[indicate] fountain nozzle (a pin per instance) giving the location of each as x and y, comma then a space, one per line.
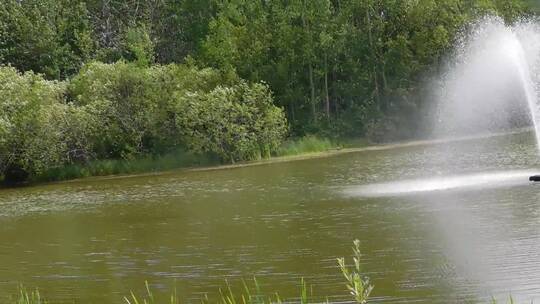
534, 178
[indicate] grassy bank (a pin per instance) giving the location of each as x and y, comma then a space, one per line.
291, 150
148, 164
298, 147
304, 145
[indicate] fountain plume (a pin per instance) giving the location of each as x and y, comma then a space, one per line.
491, 83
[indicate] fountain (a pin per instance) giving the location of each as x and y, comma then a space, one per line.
490, 85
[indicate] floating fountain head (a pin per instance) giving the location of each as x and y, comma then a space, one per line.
491, 83
534, 178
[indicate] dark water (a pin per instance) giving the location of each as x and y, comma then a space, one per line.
439, 223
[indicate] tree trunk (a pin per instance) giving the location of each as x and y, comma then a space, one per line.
310, 71
327, 97
312, 90
374, 77
384, 86
335, 97
293, 116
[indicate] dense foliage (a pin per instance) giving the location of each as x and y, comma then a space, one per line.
31, 120
124, 111
115, 78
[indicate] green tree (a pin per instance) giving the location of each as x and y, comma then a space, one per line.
52, 37
138, 46
181, 27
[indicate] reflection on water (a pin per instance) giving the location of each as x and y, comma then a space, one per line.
468, 227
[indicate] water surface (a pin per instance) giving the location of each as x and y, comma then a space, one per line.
440, 223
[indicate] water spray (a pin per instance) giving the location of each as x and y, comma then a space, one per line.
491, 83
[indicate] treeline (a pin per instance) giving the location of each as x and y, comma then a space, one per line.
118, 78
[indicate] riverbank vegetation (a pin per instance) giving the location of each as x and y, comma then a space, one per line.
121, 111
306, 144
115, 82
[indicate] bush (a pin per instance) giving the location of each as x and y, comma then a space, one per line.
31, 116
173, 81
236, 123
160, 108
122, 98
126, 111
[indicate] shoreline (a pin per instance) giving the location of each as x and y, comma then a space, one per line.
278, 159
325, 154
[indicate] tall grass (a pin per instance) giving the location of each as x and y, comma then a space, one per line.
176, 160
306, 144
149, 298
357, 284
29, 297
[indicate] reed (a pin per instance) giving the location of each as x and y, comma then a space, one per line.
357, 284
306, 144
171, 161
29, 297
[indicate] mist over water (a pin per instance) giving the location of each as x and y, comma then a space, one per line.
490, 84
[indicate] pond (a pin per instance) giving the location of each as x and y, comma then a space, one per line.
446, 222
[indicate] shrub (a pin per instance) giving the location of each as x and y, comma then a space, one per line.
137, 109
176, 80
127, 111
236, 123
122, 98
31, 112
157, 109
